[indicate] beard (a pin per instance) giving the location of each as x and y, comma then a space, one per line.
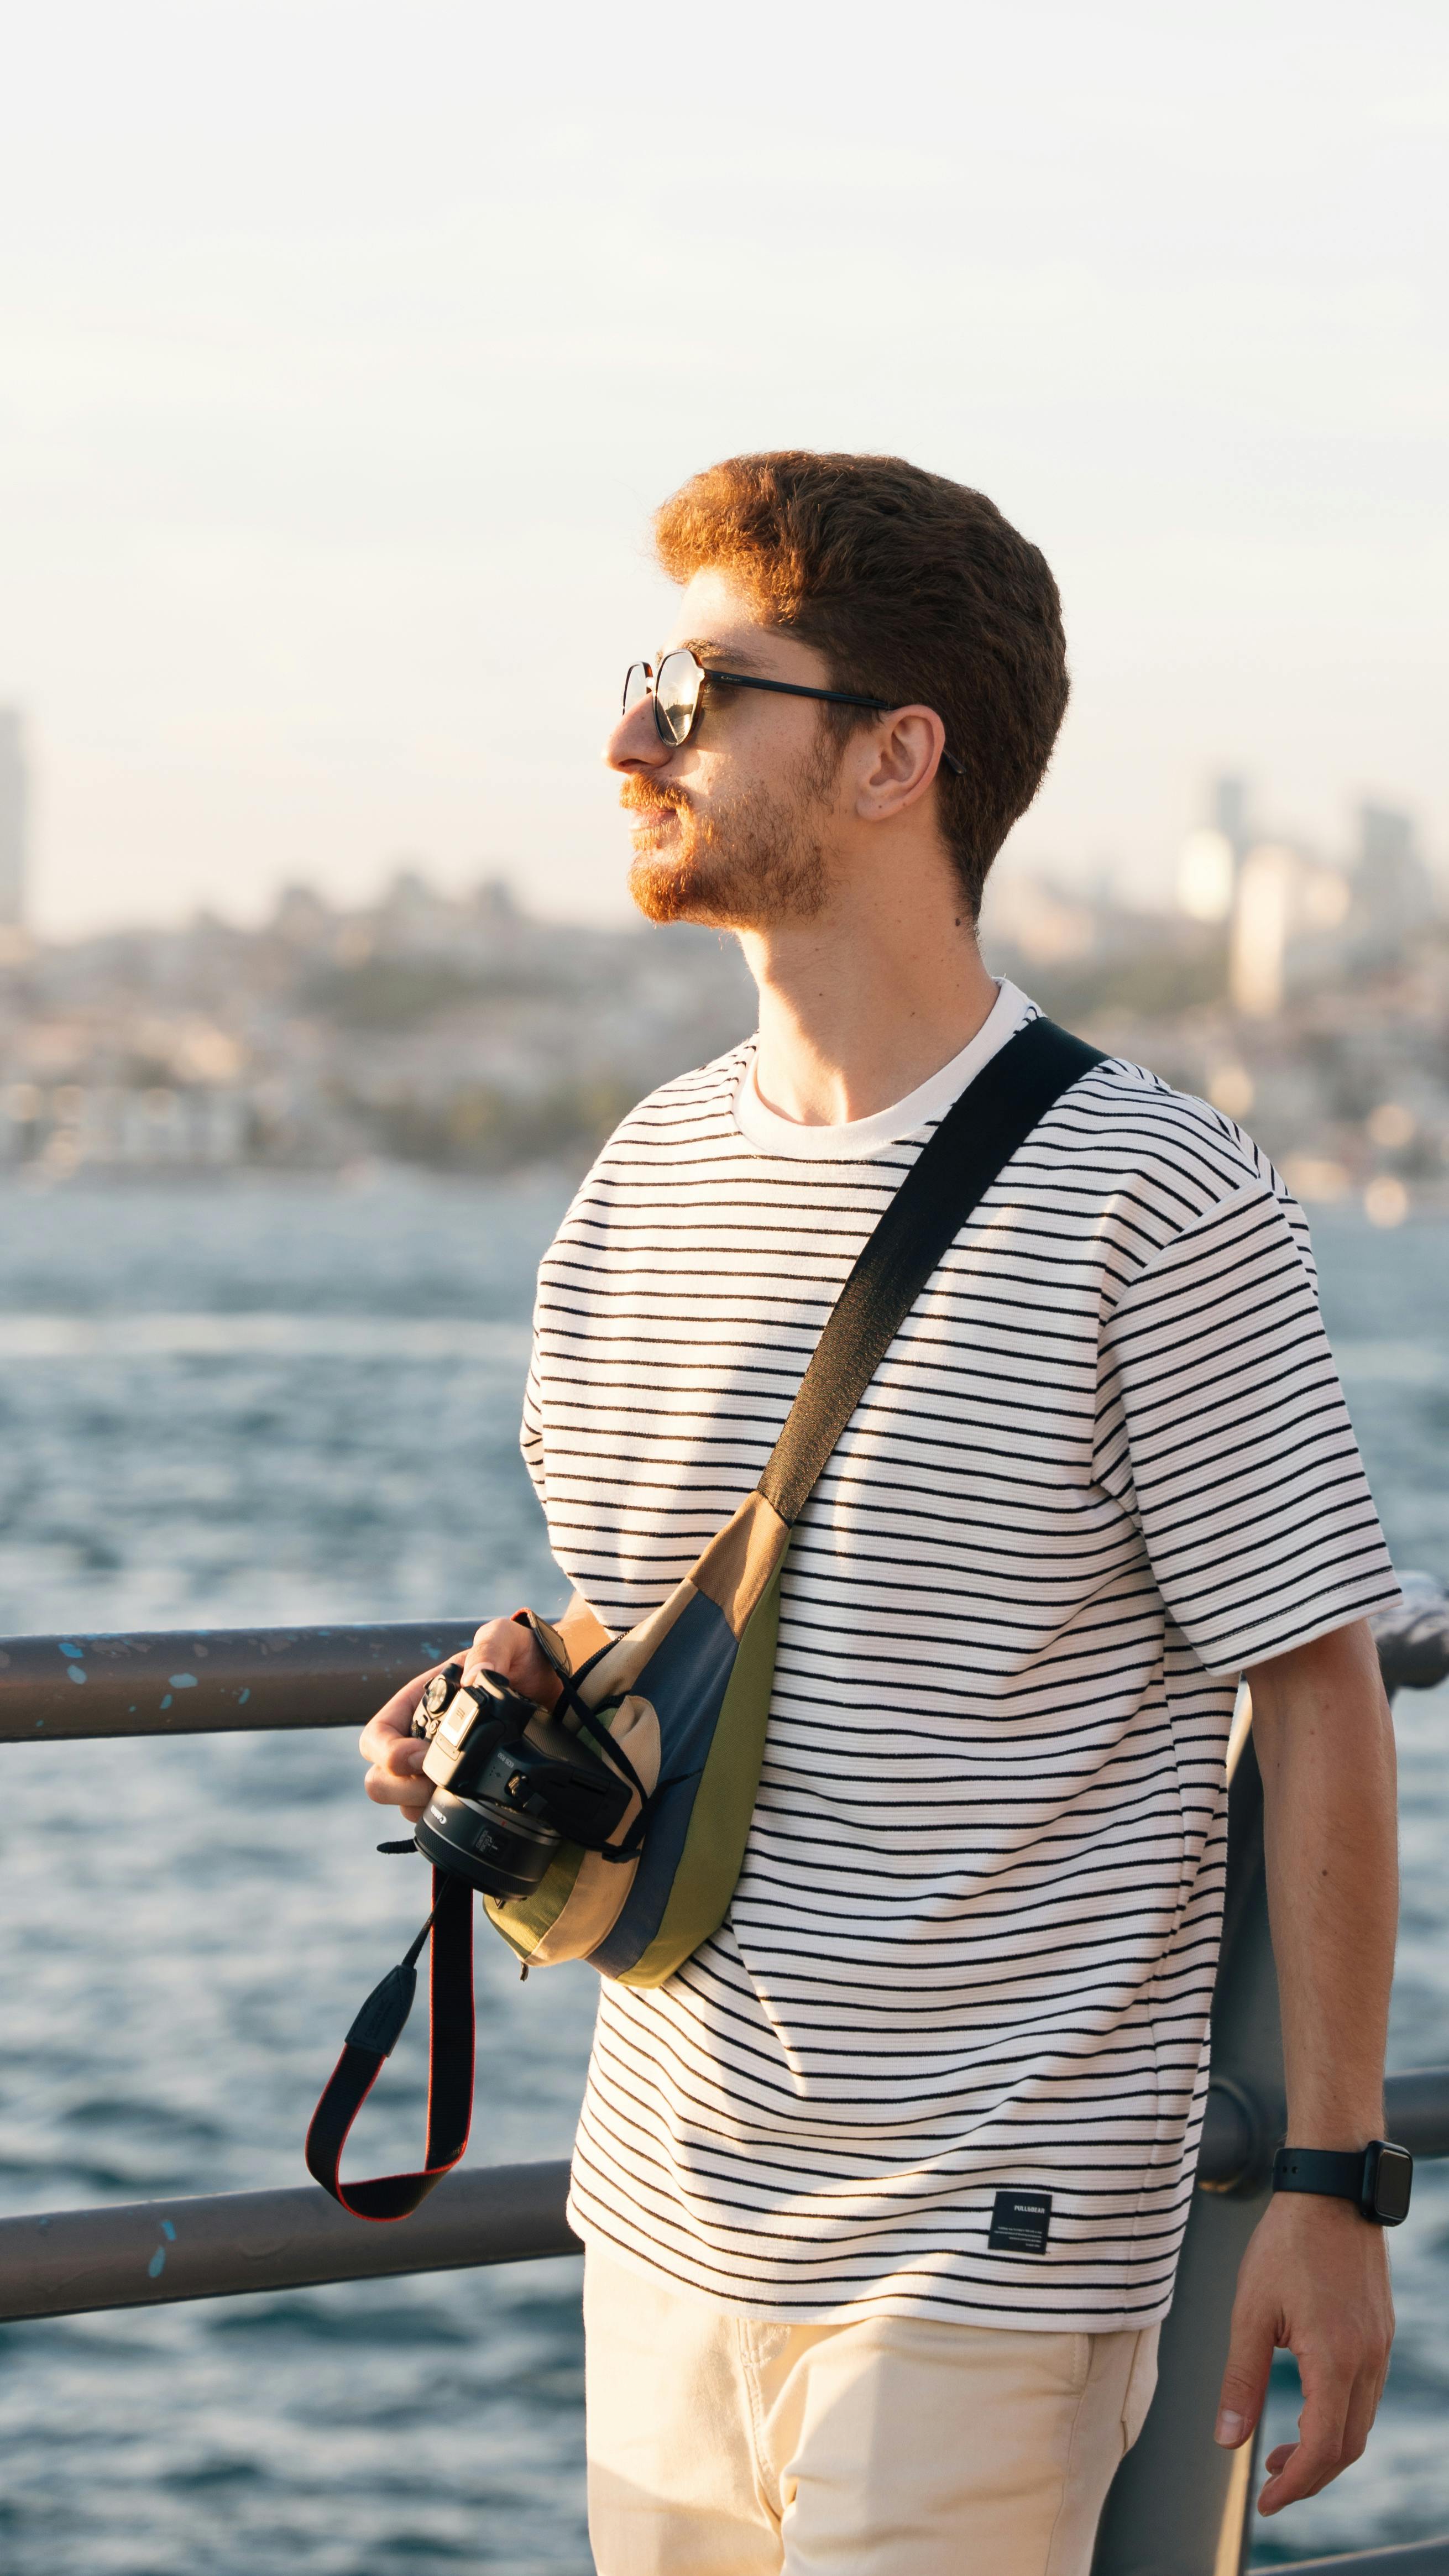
755, 863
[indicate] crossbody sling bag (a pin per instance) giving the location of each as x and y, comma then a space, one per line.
680, 1703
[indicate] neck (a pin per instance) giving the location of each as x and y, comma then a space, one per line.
862, 1005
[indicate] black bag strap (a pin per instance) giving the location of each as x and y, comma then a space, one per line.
950, 1176
954, 1169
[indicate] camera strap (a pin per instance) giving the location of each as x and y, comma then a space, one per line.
374, 2035
955, 1168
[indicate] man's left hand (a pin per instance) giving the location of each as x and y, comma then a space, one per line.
1314, 2279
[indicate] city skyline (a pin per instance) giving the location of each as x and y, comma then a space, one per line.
471, 1035
1233, 814
14, 821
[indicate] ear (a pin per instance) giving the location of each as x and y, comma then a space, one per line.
904, 753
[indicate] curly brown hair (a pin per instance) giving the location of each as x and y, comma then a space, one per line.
916, 590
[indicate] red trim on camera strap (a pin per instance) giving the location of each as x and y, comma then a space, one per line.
372, 2038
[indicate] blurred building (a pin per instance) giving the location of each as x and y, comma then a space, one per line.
1290, 930
1230, 814
1297, 921
1393, 894
1211, 857
14, 818
1304, 991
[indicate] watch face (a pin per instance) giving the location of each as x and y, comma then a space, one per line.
1393, 2180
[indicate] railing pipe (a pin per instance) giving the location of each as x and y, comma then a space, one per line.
1243, 2130
195, 1681
1412, 2558
1413, 1637
212, 1681
68, 2262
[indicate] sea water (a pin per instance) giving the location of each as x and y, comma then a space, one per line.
298, 1401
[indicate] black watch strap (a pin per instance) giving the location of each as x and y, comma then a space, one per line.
1336, 2172
1375, 2178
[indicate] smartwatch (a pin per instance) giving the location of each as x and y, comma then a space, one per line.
1378, 2181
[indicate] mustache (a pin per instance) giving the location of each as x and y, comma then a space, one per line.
637, 798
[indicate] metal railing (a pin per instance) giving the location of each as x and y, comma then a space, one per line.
1416, 2558
151, 2253
1178, 2506
218, 1681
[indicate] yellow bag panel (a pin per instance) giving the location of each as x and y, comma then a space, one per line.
581, 1895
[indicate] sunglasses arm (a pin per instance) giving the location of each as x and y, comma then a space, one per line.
832, 697
793, 689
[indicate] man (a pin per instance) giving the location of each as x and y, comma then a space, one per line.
1104, 1468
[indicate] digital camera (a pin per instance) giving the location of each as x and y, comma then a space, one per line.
509, 1784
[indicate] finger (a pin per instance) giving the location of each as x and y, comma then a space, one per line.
1250, 2358
397, 1789
1317, 2455
395, 1717
384, 1733
410, 1816
395, 1774
402, 1756
1363, 2406
406, 1810
501, 1646
511, 1650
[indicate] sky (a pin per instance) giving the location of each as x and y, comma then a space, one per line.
345, 349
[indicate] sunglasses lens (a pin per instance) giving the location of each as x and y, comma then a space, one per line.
636, 685
676, 695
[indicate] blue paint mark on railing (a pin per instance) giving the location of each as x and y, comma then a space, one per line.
77, 1672
157, 2264
166, 1703
242, 1697
183, 1681
63, 1646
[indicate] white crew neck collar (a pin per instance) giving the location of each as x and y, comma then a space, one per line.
769, 1133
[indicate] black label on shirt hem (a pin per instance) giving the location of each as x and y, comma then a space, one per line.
1020, 2221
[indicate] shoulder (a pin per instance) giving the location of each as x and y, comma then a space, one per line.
1133, 1123
682, 1132
683, 1113
1158, 1164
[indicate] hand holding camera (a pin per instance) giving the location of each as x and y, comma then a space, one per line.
510, 1783
395, 1754
491, 1782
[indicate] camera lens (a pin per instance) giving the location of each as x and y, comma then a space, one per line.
493, 1847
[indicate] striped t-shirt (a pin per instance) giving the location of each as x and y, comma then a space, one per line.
1105, 1464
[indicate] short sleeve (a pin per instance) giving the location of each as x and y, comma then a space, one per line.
1222, 1427
530, 1436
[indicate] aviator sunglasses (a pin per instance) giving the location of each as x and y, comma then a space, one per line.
678, 686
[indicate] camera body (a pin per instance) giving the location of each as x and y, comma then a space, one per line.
509, 1784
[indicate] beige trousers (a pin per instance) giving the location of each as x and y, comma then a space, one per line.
891, 2447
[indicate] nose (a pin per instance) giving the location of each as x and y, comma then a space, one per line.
635, 742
